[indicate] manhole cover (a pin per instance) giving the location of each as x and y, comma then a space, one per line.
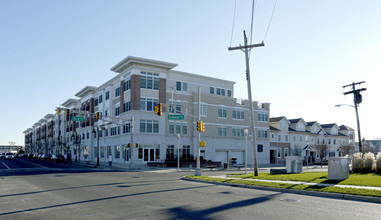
289, 200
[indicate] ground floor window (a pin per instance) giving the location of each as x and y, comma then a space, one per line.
126, 152
108, 150
95, 152
102, 152
117, 151
140, 153
279, 152
170, 152
286, 152
259, 148
332, 154
186, 152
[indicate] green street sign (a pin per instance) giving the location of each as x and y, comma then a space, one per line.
175, 117
78, 118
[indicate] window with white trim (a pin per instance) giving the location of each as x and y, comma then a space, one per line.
221, 112
149, 80
238, 114
263, 116
279, 152
148, 104
222, 131
149, 126
203, 110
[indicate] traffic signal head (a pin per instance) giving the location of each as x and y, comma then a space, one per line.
200, 126
97, 115
67, 112
159, 109
129, 145
58, 111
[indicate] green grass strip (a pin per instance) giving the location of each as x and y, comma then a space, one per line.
331, 189
355, 179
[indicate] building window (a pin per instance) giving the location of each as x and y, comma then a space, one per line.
186, 152
263, 117
261, 133
100, 98
286, 138
102, 152
117, 110
211, 90
332, 154
127, 128
107, 95
117, 151
285, 152
170, 152
279, 152
238, 132
222, 131
272, 136
238, 114
149, 126
334, 141
117, 92
221, 112
185, 127
171, 126
229, 93
203, 110
149, 81
127, 85
127, 106
181, 86
259, 148
178, 127
147, 104
300, 138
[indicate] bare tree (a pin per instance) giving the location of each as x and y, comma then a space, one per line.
322, 151
347, 149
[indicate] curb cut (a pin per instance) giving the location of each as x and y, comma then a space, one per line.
295, 191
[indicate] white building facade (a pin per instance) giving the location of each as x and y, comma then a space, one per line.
129, 130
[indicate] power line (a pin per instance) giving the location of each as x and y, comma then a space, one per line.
271, 18
254, 6
231, 36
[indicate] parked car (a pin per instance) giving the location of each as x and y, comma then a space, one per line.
58, 158
2, 155
46, 157
9, 156
30, 155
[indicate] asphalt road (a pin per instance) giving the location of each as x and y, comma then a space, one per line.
58, 191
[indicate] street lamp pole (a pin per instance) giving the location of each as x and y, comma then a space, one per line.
246, 131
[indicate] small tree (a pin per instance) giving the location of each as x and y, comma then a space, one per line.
322, 151
347, 149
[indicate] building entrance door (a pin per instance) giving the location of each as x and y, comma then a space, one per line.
149, 154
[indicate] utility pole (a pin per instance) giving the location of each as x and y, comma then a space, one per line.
357, 99
197, 171
246, 48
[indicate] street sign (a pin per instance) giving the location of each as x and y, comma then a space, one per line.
175, 117
78, 118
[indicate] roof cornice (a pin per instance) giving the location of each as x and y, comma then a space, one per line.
83, 92
126, 62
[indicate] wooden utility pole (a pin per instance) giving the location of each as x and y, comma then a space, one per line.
357, 99
246, 48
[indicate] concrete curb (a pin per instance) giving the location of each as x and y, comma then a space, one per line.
295, 191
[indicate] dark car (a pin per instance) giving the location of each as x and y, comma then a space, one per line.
46, 157
9, 156
58, 158
30, 155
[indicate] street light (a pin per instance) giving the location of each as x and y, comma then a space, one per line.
97, 144
246, 131
178, 152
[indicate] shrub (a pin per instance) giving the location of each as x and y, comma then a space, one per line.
368, 161
356, 162
378, 162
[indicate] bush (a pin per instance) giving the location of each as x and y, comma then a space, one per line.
378, 162
356, 162
368, 161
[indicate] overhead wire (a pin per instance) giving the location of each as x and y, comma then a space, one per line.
271, 18
253, 7
231, 36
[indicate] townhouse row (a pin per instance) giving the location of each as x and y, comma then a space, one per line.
129, 130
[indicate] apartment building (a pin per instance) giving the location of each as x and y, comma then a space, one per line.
297, 137
129, 130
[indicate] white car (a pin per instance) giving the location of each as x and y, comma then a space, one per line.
9, 156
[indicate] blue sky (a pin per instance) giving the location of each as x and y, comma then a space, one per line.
51, 49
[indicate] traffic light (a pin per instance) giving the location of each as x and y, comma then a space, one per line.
159, 109
67, 112
200, 126
129, 145
136, 145
58, 111
97, 115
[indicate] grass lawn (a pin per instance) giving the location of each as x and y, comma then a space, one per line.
356, 179
371, 179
